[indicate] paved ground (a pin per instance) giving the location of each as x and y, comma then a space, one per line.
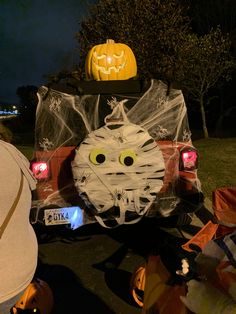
89, 269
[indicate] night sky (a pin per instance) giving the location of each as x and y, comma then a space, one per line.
37, 38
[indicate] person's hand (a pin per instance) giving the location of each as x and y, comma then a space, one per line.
203, 298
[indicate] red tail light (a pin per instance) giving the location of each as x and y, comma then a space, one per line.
188, 159
40, 170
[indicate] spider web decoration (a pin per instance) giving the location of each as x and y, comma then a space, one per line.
162, 114
120, 126
65, 119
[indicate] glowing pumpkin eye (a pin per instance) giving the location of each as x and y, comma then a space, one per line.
128, 158
118, 56
97, 156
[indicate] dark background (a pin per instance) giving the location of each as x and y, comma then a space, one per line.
37, 38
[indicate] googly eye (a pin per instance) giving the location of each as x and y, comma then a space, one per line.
98, 156
128, 158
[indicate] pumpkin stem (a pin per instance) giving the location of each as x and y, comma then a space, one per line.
110, 41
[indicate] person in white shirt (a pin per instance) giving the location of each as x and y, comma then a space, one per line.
216, 264
18, 243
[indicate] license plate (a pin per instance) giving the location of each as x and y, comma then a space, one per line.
60, 216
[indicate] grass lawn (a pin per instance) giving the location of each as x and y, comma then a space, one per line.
26, 150
217, 162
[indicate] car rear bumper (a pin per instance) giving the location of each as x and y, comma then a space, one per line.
165, 206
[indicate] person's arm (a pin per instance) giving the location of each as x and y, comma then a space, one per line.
203, 298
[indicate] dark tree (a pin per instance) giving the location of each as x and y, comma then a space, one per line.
206, 15
28, 103
211, 13
206, 61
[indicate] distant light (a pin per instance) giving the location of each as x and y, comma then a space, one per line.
5, 112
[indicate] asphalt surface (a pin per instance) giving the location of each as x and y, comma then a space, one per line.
89, 269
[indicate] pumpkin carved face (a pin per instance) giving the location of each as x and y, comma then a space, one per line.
137, 285
110, 61
38, 297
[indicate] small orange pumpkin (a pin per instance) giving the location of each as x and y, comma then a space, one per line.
151, 291
38, 297
110, 61
137, 285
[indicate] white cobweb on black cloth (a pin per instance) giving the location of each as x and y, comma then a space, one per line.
162, 113
69, 120
64, 120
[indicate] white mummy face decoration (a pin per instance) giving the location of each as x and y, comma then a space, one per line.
119, 166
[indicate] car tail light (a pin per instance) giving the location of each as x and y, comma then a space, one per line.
40, 170
188, 159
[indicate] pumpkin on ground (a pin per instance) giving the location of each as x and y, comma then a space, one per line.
153, 291
110, 61
38, 297
137, 285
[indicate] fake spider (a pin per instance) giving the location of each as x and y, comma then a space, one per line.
119, 195
119, 138
147, 187
83, 179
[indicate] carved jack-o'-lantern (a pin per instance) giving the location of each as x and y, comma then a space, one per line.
38, 297
137, 285
110, 61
